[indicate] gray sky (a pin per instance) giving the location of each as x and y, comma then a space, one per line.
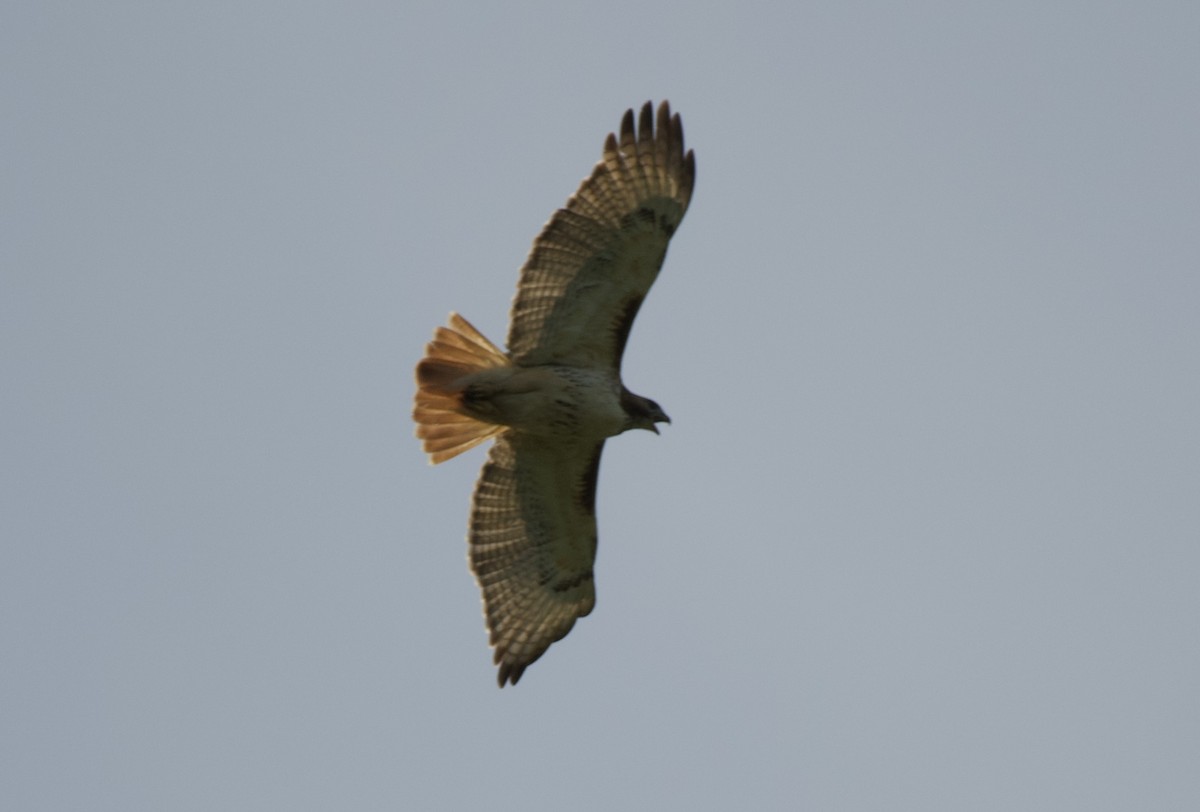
925, 531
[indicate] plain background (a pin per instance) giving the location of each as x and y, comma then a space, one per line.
925, 531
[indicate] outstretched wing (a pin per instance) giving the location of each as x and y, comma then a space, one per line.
596, 259
533, 543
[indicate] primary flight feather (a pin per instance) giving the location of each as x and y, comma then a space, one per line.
556, 395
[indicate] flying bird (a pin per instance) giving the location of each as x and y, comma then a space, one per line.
556, 395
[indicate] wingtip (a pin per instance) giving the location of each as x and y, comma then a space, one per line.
509, 674
627, 128
646, 120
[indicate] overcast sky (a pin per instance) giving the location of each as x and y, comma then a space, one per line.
923, 535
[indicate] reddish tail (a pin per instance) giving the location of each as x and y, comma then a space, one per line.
455, 352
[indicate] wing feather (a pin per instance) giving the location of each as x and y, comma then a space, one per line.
596, 259
533, 544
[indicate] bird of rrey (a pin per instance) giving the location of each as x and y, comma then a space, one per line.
552, 400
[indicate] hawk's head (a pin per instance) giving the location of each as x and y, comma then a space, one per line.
642, 413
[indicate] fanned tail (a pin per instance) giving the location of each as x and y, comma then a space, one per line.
455, 352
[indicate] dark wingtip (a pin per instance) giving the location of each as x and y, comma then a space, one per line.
509, 674
627, 126
646, 120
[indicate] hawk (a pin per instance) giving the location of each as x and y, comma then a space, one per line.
552, 400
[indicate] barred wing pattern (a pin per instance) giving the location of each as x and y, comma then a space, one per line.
533, 543
595, 260
533, 517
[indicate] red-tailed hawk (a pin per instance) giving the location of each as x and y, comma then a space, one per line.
556, 395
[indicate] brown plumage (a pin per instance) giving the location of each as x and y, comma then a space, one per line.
556, 395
